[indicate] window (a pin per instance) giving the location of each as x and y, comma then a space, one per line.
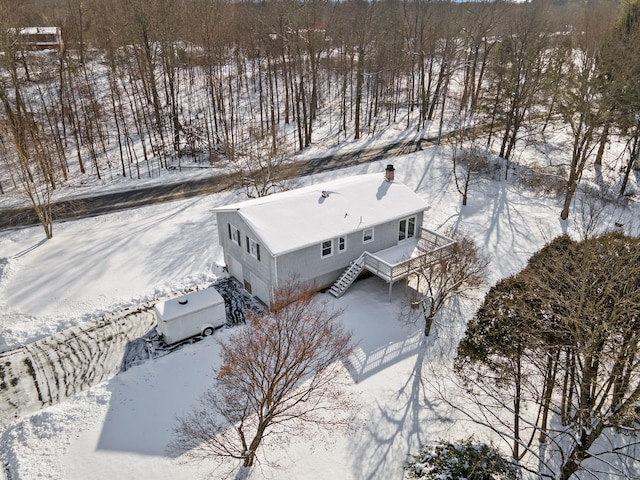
327, 248
367, 235
407, 228
254, 248
342, 244
234, 234
411, 227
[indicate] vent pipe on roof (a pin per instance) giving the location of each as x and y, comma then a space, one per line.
389, 173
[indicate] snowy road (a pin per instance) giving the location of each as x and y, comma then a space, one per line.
121, 200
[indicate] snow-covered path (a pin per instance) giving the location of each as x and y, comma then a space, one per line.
49, 370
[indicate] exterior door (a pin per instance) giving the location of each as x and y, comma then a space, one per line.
406, 228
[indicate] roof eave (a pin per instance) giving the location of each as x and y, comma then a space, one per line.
373, 225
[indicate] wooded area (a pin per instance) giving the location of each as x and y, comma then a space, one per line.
143, 85
551, 359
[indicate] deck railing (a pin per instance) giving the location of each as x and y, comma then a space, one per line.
429, 240
435, 247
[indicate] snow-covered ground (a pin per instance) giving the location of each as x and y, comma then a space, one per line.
120, 428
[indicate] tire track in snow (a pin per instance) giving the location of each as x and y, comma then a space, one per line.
49, 370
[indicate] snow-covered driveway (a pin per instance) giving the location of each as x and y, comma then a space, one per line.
51, 369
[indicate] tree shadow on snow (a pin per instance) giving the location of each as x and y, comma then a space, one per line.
145, 401
395, 429
393, 422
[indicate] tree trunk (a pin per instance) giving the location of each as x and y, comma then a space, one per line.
633, 158
427, 324
359, 84
255, 443
517, 399
578, 160
603, 142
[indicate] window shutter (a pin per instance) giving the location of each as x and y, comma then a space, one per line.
258, 251
247, 240
229, 226
239, 238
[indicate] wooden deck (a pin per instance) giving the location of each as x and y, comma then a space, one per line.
396, 263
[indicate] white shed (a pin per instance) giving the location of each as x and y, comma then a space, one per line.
197, 313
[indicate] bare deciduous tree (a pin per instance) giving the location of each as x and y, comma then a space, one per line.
516, 72
581, 104
262, 174
31, 162
619, 64
466, 152
439, 281
280, 373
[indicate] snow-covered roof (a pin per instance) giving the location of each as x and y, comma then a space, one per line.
295, 219
189, 303
36, 30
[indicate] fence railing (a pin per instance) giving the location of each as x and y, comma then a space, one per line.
436, 247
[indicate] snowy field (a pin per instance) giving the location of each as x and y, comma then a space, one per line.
120, 428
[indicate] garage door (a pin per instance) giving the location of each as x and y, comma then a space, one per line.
235, 269
260, 289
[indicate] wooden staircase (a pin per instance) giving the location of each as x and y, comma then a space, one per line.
348, 277
428, 247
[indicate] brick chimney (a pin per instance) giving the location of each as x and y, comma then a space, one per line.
389, 173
